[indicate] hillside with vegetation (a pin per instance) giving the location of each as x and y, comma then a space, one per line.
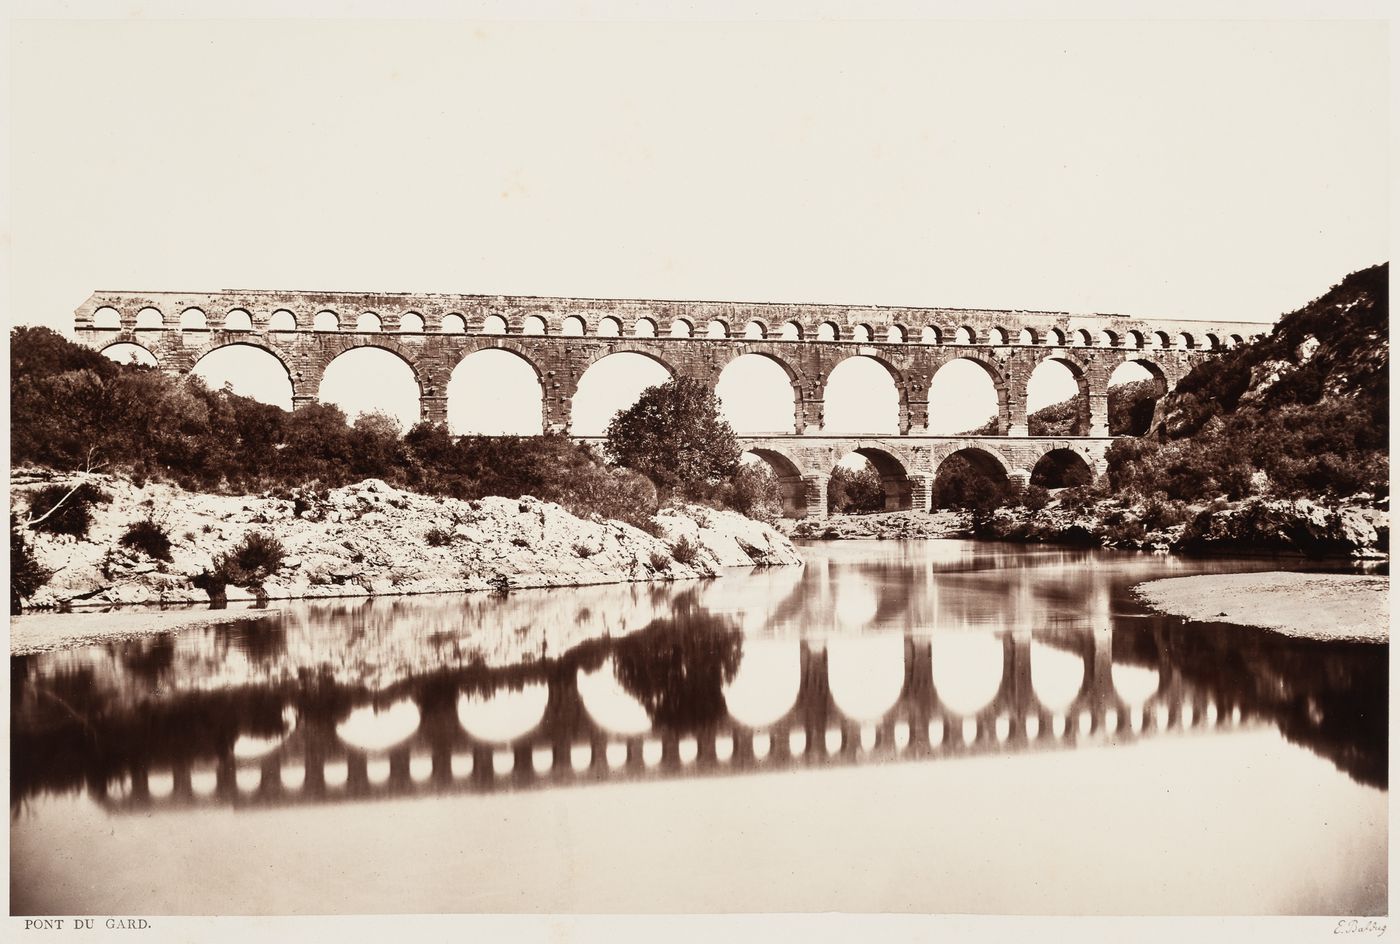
1278, 445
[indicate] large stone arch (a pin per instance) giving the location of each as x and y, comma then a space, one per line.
993, 452
495, 342
1062, 466
989, 366
822, 381
336, 345
284, 356
598, 355
509, 397
253, 343
119, 341
895, 468
1079, 370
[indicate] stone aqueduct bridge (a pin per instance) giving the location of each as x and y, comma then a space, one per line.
562, 337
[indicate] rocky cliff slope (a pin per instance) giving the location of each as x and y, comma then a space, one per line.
372, 539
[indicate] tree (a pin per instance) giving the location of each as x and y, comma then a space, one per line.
675, 436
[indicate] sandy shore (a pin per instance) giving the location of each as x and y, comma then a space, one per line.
46, 632
1313, 606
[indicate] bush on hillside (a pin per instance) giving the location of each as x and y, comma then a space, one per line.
855, 491
65, 509
27, 575
149, 537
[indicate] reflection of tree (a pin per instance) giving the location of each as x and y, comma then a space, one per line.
149, 659
677, 668
262, 640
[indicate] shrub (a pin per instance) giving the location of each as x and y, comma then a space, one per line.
854, 491
438, 537
27, 575
64, 509
685, 551
659, 561
966, 483
584, 550
247, 564
148, 537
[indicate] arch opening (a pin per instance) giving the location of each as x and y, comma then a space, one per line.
930, 335
1057, 400
107, 318
368, 323
149, 319
680, 328
534, 325
791, 331
238, 320
493, 324
965, 399
609, 327
965, 335
861, 333
192, 319
495, 392
1134, 388
716, 329
454, 324
996, 336
756, 395
572, 327
644, 328
827, 331
861, 397
1027, 337
249, 371
969, 478
755, 331
1061, 468
393, 390
125, 353
792, 491
282, 320
895, 334
327, 321
869, 480
611, 384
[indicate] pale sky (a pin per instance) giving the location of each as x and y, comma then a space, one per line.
1195, 169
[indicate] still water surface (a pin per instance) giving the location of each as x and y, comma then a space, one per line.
939, 726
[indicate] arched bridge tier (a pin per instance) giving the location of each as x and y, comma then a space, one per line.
562, 337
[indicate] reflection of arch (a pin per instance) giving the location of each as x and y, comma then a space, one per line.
284, 320
501, 393
967, 670
865, 674
504, 715
1061, 468
1056, 676
789, 475
149, 318
609, 705
371, 729
766, 685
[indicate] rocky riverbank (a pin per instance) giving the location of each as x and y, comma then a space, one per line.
1314, 606
888, 526
370, 539
1357, 529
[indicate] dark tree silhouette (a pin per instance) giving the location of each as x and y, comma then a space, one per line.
675, 436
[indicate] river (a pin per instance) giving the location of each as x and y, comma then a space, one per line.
925, 726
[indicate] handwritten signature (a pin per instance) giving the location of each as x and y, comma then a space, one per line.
1353, 926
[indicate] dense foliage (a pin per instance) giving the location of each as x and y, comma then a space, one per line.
65, 509
1302, 412
854, 491
675, 436
26, 573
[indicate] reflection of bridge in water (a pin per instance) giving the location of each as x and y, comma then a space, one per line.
442, 743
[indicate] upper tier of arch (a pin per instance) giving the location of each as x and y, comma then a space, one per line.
401, 313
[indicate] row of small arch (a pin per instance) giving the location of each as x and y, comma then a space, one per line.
239, 319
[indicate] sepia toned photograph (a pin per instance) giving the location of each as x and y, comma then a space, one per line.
588, 464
